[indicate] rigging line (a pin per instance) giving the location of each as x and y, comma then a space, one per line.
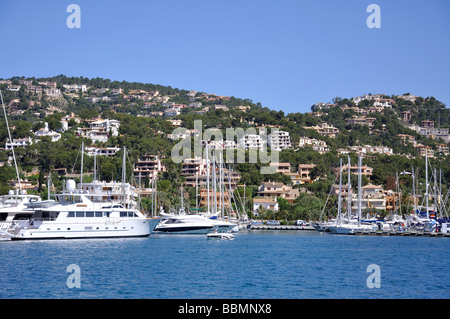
133, 178
75, 163
324, 206
12, 142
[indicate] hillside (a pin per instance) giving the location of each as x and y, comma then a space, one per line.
392, 132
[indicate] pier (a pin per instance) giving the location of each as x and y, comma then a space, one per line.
280, 227
401, 233
357, 233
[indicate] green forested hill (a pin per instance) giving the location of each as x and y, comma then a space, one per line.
144, 129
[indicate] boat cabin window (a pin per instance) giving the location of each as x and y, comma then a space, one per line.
22, 216
174, 221
45, 215
128, 214
113, 206
87, 214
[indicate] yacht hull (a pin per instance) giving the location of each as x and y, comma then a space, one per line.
105, 229
185, 230
350, 229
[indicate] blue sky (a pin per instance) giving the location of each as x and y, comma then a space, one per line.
286, 54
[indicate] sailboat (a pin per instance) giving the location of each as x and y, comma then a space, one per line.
184, 223
351, 226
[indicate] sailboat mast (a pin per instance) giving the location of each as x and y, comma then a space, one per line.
359, 190
214, 185
95, 174
182, 198
414, 190
207, 180
123, 176
220, 187
426, 184
196, 188
82, 156
139, 192
222, 184
340, 191
245, 213
436, 208
349, 194
48, 186
229, 185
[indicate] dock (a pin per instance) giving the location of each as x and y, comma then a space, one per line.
357, 233
280, 227
401, 233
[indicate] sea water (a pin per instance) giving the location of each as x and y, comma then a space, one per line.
255, 265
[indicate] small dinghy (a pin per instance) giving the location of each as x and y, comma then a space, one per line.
216, 235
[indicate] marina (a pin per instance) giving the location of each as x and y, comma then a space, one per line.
401, 233
280, 227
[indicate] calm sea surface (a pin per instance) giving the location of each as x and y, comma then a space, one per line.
255, 265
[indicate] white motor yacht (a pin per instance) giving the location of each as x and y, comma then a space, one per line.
192, 224
75, 216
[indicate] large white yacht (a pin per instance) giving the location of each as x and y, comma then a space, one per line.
73, 215
183, 223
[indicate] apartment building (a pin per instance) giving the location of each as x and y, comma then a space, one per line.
367, 149
252, 141
148, 166
279, 140
101, 151
100, 130
277, 189
283, 168
365, 170
424, 150
19, 142
442, 148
